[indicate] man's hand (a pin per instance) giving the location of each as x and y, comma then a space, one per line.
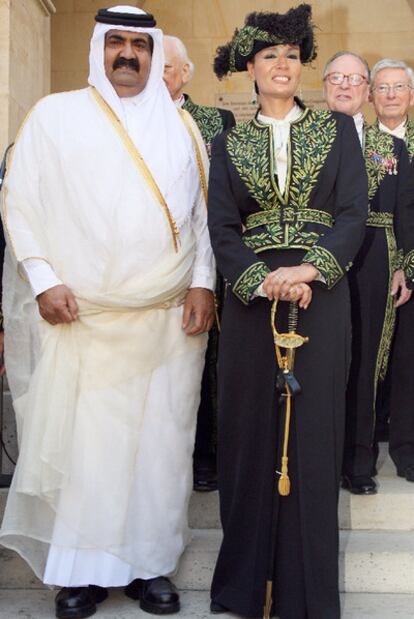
57, 305
2, 368
290, 284
198, 315
398, 284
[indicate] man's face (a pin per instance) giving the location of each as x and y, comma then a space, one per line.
127, 59
345, 97
176, 72
392, 96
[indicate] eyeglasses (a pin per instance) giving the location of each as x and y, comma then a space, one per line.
354, 79
385, 89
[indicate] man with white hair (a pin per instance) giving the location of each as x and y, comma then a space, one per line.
178, 71
211, 121
346, 86
106, 222
377, 285
393, 96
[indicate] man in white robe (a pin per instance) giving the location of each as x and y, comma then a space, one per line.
108, 299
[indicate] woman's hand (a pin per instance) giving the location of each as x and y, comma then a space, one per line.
302, 293
399, 288
290, 284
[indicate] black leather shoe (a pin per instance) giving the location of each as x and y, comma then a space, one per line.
205, 474
408, 472
79, 602
205, 480
359, 484
217, 608
156, 595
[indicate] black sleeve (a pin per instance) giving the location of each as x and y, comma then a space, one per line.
228, 119
334, 252
235, 261
405, 229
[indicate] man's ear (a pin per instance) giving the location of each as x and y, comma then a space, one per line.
185, 73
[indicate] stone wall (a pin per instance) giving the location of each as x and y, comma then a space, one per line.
24, 61
372, 28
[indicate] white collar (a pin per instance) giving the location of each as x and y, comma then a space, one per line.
398, 132
359, 120
179, 102
295, 113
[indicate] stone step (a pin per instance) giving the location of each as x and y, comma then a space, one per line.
23, 603
370, 562
391, 509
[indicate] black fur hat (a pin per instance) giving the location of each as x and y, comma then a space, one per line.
264, 30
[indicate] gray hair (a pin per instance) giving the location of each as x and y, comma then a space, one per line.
388, 63
345, 53
182, 52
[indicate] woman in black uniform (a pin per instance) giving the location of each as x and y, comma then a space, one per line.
287, 208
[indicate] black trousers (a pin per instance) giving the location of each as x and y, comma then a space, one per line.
401, 441
369, 281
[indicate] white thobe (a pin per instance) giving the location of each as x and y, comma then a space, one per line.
40, 274
106, 424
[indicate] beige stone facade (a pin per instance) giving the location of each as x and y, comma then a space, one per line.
24, 60
372, 28
42, 51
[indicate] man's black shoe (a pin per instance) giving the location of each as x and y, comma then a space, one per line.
205, 474
408, 472
156, 595
359, 484
205, 480
78, 602
217, 608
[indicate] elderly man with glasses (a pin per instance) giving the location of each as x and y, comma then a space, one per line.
377, 284
392, 97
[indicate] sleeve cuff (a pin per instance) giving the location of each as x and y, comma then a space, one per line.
326, 263
408, 266
204, 278
399, 263
248, 282
40, 274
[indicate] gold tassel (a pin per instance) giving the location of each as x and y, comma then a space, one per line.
284, 481
268, 603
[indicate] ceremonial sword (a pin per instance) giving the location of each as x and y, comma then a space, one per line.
289, 387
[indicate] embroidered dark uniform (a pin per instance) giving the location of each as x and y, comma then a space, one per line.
401, 430
211, 121
320, 218
373, 311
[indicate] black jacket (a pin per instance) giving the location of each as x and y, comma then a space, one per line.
323, 209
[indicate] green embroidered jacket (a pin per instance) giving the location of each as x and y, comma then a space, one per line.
210, 120
321, 211
388, 168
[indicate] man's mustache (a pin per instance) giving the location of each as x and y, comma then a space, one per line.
132, 63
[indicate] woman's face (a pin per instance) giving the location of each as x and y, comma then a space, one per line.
277, 70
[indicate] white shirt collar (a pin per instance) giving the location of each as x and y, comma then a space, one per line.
359, 125
398, 132
294, 114
179, 102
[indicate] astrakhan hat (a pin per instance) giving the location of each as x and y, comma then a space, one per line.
264, 30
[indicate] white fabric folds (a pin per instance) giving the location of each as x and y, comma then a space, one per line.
105, 405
